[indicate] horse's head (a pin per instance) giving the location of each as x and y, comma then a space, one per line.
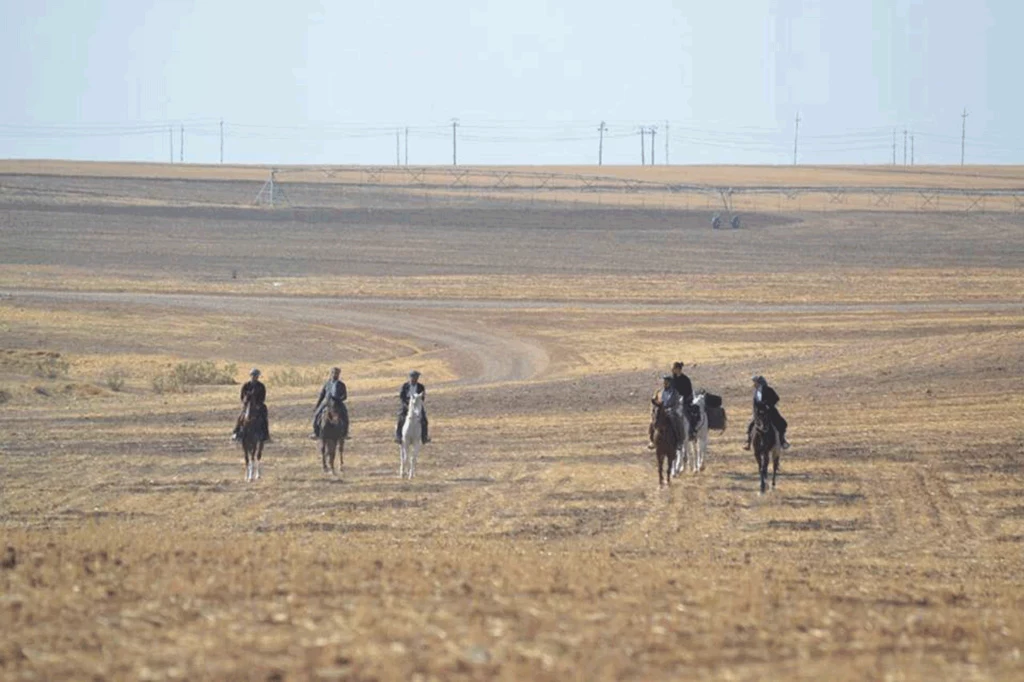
415, 403
698, 398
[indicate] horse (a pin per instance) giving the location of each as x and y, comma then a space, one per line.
250, 436
412, 436
766, 442
665, 443
333, 431
697, 436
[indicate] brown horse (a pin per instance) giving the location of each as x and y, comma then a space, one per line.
250, 435
333, 431
766, 443
664, 439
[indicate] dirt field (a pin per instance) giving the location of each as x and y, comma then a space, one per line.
535, 542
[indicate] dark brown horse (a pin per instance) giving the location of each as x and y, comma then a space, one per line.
333, 431
250, 435
766, 443
664, 438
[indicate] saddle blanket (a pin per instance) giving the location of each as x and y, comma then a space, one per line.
716, 418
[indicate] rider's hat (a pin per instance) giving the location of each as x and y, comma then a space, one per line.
336, 369
414, 373
758, 379
678, 363
254, 372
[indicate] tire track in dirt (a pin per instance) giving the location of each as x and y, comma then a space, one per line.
485, 356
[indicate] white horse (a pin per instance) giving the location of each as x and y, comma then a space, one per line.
412, 436
697, 438
681, 447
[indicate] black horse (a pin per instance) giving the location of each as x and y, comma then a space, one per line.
663, 436
333, 431
766, 442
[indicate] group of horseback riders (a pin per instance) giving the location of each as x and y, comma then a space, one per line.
333, 394
675, 397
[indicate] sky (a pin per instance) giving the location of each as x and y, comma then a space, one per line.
527, 81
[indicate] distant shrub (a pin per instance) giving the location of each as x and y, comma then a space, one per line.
4, 396
114, 379
292, 377
52, 366
184, 375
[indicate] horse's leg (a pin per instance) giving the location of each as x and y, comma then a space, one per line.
323, 453
401, 459
703, 445
248, 462
775, 464
412, 459
341, 453
763, 470
259, 456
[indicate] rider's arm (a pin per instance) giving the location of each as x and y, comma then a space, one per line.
342, 391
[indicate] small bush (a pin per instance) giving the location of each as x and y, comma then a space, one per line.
52, 366
4, 396
184, 375
114, 379
294, 378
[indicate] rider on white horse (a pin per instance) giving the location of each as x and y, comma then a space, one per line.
412, 385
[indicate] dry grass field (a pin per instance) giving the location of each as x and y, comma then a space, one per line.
535, 542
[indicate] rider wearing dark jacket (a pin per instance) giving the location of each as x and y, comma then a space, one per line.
333, 389
413, 384
254, 393
765, 397
682, 384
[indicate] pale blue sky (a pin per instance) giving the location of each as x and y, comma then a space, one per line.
529, 81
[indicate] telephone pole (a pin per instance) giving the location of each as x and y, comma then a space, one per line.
600, 143
407, 145
170, 138
894, 146
455, 157
222, 140
652, 131
181, 145
963, 135
643, 161
666, 143
398, 148
904, 146
911, 149
796, 137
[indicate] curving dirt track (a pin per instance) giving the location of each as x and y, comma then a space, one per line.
535, 544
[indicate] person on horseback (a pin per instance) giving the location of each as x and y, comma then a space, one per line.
333, 389
766, 398
254, 393
413, 384
669, 400
684, 388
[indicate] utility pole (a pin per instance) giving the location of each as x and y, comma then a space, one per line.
796, 137
407, 145
911, 149
455, 157
643, 161
600, 143
666, 143
222, 140
181, 145
398, 148
963, 135
170, 138
652, 131
904, 146
894, 146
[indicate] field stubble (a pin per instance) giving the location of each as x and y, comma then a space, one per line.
535, 543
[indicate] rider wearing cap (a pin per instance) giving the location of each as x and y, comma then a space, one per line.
413, 384
333, 389
766, 397
255, 393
